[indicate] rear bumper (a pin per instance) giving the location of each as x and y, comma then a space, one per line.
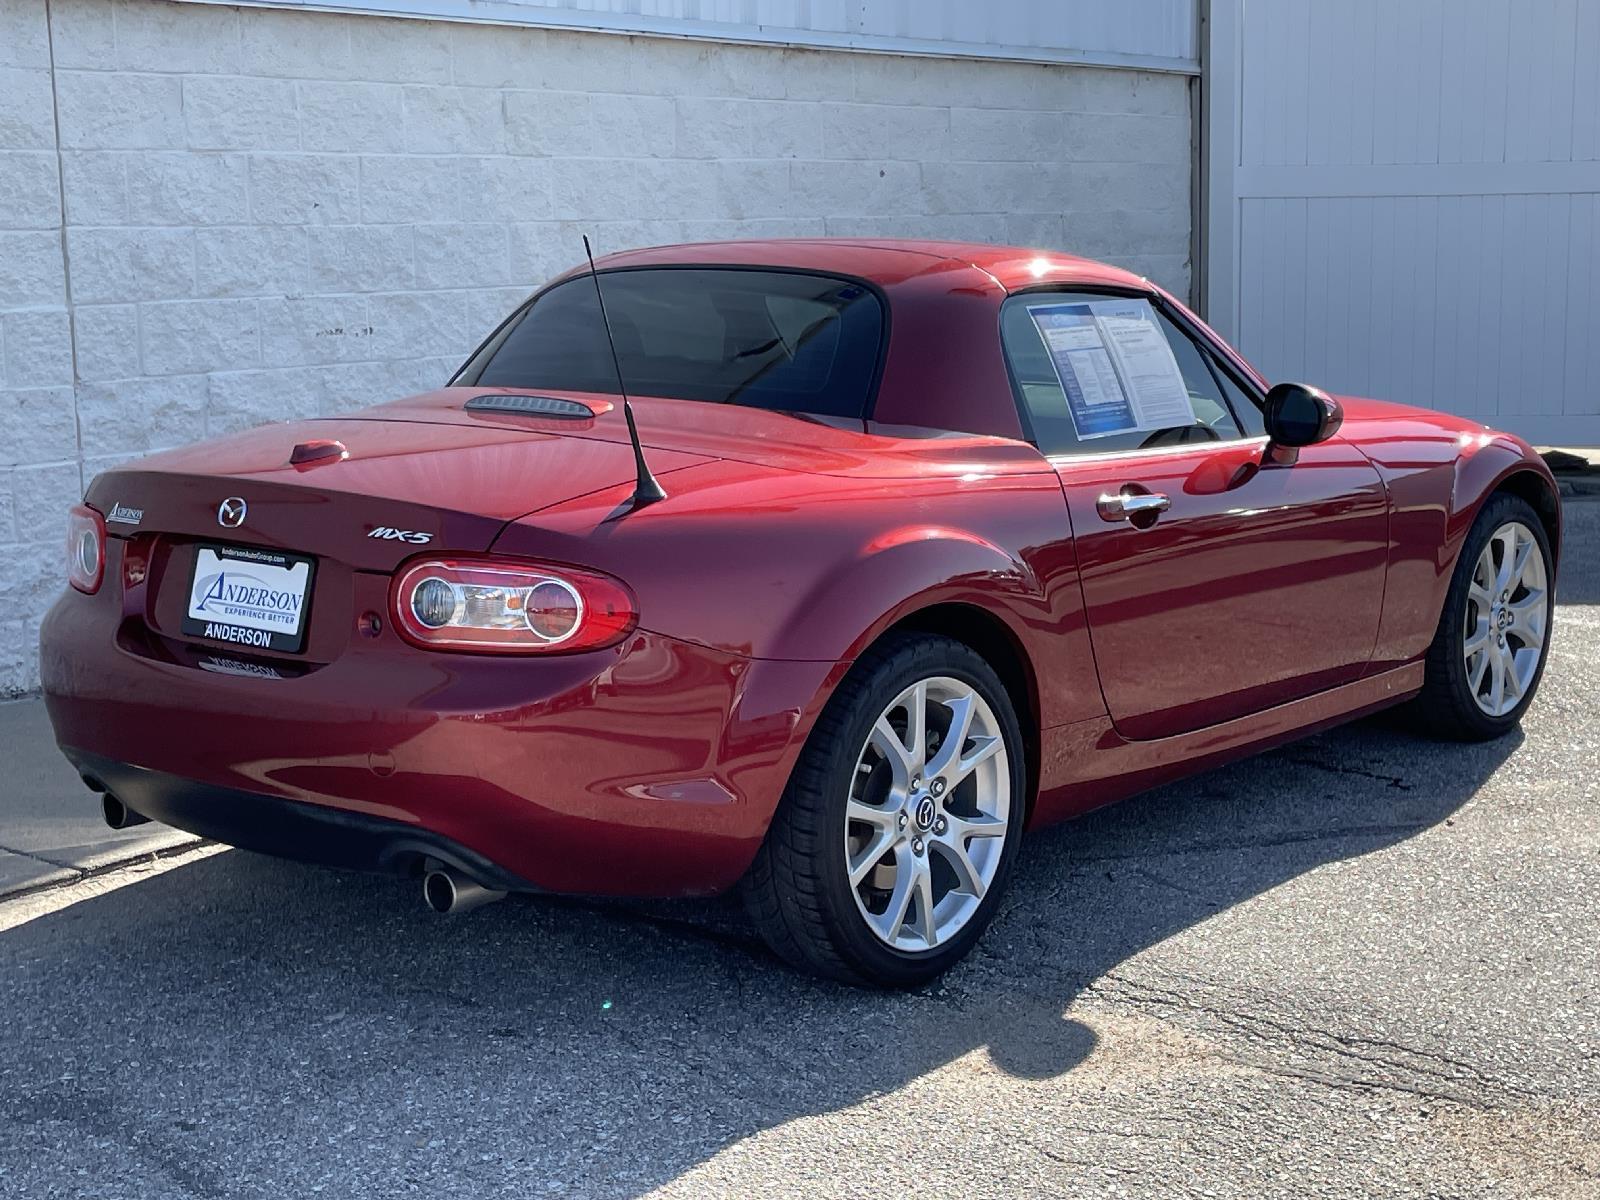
312, 833
647, 769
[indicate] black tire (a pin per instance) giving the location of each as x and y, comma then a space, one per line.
1446, 707
798, 892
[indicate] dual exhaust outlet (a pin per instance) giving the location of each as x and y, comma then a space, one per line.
444, 889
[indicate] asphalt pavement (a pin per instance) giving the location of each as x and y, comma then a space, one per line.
1362, 965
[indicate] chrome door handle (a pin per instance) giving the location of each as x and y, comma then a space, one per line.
1125, 506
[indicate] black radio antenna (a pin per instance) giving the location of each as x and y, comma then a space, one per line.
646, 488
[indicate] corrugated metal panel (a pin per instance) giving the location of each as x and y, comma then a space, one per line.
1415, 193
1150, 34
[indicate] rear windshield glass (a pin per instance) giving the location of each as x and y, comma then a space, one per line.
763, 339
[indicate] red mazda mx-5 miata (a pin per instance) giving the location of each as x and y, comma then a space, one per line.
912, 546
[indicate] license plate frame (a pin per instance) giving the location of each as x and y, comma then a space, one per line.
252, 610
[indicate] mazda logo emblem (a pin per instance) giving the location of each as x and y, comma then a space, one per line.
925, 813
230, 514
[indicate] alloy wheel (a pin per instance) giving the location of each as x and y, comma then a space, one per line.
926, 819
1508, 611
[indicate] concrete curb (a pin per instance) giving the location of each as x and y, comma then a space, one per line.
1577, 471
51, 829
42, 875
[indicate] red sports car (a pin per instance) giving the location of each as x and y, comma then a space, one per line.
913, 546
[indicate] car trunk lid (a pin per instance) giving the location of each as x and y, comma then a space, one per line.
365, 495
450, 487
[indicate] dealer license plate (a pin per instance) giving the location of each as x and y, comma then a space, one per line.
249, 597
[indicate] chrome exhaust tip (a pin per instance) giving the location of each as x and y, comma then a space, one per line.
118, 815
447, 891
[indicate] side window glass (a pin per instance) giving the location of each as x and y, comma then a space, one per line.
1205, 393
1100, 373
1246, 410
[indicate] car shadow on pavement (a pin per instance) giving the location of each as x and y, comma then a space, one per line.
1578, 575
244, 1026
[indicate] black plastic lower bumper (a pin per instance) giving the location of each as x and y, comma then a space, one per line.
310, 833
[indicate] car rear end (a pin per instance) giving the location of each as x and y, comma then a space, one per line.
329, 662
303, 639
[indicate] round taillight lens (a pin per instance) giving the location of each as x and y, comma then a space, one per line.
86, 549
553, 610
512, 606
434, 603
86, 557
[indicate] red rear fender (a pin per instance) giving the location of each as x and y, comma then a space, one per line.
777, 565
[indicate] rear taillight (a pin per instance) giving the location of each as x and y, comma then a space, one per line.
86, 549
509, 606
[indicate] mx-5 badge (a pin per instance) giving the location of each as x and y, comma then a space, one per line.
401, 535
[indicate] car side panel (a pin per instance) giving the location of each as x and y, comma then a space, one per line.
1439, 469
1089, 764
1261, 583
774, 565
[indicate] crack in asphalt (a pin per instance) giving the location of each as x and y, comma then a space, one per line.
1434, 1066
1265, 842
1078, 864
1099, 1131
1340, 1081
96, 1114
1021, 902
1394, 781
1066, 1160
1435, 1075
1442, 1077
1157, 878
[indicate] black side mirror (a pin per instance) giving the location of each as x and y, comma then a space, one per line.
1296, 415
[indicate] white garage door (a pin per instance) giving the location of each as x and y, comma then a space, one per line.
1404, 202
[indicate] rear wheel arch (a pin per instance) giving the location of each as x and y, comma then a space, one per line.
926, 585
998, 644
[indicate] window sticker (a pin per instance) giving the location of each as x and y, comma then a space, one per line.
1115, 367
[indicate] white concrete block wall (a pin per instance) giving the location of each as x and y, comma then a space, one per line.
39, 452
272, 214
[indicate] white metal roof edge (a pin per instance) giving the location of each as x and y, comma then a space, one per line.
507, 12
